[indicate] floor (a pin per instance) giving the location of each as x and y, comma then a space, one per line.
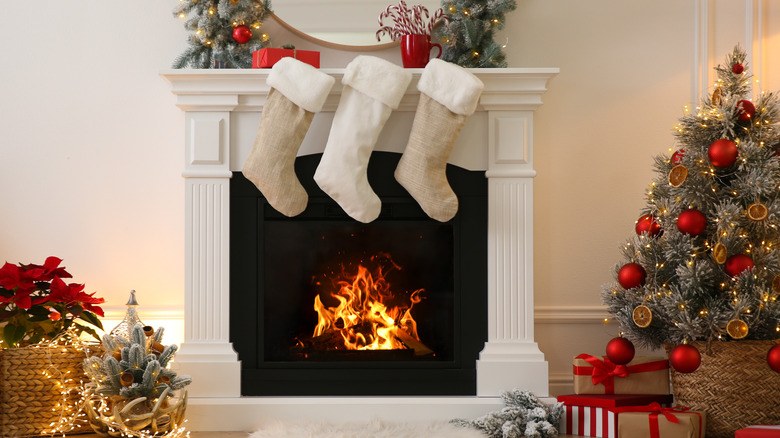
229, 435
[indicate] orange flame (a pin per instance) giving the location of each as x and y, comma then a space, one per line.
365, 315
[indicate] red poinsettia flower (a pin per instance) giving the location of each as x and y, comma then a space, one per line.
23, 280
20, 298
72, 293
50, 269
54, 315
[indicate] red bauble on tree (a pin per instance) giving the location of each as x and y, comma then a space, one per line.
677, 157
242, 34
745, 110
737, 68
737, 264
620, 350
647, 224
632, 275
722, 153
685, 358
691, 222
773, 358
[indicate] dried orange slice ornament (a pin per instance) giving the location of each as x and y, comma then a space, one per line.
757, 212
678, 175
642, 316
737, 328
719, 253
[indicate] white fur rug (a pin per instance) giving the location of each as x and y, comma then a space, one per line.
370, 429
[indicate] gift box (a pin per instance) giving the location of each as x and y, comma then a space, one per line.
596, 415
266, 58
643, 375
760, 431
655, 421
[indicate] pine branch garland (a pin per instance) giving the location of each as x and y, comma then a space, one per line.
467, 32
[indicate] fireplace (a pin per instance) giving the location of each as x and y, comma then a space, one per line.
221, 115
394, 307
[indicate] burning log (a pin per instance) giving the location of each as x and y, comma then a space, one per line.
419, 348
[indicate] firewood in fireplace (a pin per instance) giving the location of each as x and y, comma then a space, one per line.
419, 348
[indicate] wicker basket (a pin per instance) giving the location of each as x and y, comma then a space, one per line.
734, 386
29, 399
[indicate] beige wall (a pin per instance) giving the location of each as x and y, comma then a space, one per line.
99, 184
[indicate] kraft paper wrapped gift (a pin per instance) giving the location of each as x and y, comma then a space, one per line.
660, 422
643, 375
758, 431
596, 416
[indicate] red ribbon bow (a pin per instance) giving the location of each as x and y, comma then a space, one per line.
604, 372
655, 409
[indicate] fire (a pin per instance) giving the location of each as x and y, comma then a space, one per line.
368, 315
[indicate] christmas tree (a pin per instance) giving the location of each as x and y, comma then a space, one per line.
467, 32
705, 261
225, 32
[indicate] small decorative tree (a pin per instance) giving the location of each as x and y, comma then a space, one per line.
133, 387
225, 32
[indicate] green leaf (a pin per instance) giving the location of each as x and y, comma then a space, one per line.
89, 330
12, 334
92, 319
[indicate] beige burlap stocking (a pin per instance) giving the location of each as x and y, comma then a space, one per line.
449, 95
298, 91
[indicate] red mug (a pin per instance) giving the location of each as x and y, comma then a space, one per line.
416, 50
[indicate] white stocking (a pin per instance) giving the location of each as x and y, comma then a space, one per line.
373, 88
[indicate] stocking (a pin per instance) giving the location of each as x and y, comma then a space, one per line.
373, 88
298, 90
449, 94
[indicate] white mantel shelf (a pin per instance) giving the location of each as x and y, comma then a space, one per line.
222, 112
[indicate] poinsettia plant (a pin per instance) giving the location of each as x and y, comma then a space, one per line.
37, 305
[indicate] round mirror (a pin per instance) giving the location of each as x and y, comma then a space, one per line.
346, 22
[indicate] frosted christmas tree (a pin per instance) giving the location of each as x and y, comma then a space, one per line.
224, 32
705, 261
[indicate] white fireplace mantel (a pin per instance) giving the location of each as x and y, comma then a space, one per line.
222, 113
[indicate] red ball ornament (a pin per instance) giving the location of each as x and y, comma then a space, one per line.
691, 222
722, 153
620, 350
242, 33
737, 68
632, 275
745, 110
685, 358
773, 358
677, 156
737, 264
647, 224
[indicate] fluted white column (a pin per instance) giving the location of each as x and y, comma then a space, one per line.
206, 353
511, 358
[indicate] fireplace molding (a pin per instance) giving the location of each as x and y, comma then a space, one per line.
222, 111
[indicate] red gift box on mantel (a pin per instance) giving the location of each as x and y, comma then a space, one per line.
266, 58
597, 416
759, 431
643, 375
655, 421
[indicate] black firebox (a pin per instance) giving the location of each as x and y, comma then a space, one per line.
295, 281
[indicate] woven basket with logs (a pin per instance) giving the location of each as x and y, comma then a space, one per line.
733, 385
31, 401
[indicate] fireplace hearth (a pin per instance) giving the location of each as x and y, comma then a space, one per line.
221, 115
283, 266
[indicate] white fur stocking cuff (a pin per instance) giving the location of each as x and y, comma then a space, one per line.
303, 84
452, 86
